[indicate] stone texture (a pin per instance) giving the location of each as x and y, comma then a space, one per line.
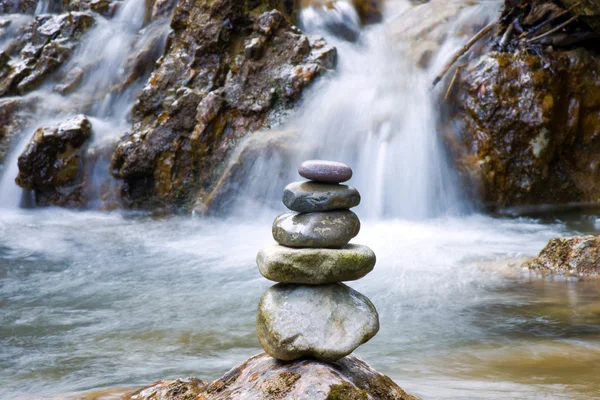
576, 256
263, 378
315, 266
323, 322
52, 163
16, 114
333, 229
318, 197
325, 171
230, 68
39, 49
527, 131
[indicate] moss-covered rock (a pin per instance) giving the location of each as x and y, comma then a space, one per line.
528, 127
576, 256
315, 266
264, 378
230, 68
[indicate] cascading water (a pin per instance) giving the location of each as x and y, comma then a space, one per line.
377, 114
105, 58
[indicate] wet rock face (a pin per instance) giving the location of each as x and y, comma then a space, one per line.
229, 69
16, 114
528, 131
39, 49
52, 163
577, 256
264, 378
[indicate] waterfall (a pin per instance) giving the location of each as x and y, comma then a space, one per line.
378, 114
104, 57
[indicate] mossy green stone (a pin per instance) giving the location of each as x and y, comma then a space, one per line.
315, 266
311, 196
333, 229
325, 322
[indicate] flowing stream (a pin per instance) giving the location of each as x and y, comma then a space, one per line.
92, 300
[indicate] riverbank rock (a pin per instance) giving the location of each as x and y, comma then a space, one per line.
40, 48
263, 378
527, 128
315, 266
309, 196
325, 322
229, 69
577, 256
52, 163
333, 229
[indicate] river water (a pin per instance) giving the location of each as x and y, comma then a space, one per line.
92, 300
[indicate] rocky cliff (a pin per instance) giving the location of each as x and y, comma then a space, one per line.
230, 68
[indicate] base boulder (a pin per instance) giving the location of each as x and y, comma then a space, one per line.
264, 378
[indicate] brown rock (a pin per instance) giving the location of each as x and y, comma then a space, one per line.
576, 256
52, 163
528, 130
264, 378
228, 71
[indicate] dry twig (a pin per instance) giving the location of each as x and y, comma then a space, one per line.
453, 80
551, 31
462, 51
543, 24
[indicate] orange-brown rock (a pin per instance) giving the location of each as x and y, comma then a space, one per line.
264, 378
576, 256
528, 127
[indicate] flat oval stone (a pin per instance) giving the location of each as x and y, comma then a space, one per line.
324, 322
317, 197
331, 229
325, 171
315, 266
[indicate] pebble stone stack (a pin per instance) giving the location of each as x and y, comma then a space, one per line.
310, 313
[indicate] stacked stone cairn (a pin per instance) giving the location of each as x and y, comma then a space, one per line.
310, 313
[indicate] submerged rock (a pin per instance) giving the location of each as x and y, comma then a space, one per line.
229, 69
52, 163
315, 266
528, 127
325, 322
263, 378
332, 229
315, 197
576, 256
